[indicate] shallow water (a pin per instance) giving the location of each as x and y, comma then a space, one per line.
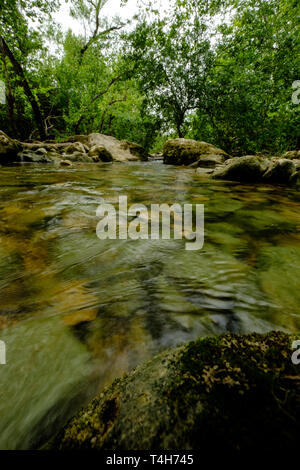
75, 312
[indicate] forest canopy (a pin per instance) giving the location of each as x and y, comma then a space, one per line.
217, 71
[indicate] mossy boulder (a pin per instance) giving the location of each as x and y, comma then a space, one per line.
188, 151
230, 392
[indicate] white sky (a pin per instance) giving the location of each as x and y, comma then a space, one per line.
111, 9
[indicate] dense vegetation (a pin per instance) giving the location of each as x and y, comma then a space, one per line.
219, 71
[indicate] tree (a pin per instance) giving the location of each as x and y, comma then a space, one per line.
172, 57
18, 40
249, 107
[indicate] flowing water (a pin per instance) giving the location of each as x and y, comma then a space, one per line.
75, 312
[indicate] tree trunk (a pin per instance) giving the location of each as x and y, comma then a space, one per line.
33, 101
9, 97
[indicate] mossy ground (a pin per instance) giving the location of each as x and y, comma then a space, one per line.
229, 392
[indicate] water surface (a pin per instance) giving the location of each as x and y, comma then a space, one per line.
75, 312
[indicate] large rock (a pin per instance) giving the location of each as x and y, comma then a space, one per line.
249, 169
188, 151
83, 139
136, 150
77, 156
230, 393
280, 172
292, 154
100, 153
74, 147
121, 151
79, 148
9, 148
38, 156
254, 169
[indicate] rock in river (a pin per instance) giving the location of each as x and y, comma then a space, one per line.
188, 151
230, 392
249, 169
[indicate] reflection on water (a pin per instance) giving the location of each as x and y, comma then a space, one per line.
75, 312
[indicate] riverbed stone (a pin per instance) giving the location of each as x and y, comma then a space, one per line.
236, 392
65, 163
188, 151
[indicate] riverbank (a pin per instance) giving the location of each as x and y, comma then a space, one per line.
217, 164
208, 160
230, 392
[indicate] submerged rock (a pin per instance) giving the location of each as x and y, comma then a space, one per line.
230, 392
188, 151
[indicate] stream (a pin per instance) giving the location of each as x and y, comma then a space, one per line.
77, 312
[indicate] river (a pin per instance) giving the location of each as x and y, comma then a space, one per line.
76, 312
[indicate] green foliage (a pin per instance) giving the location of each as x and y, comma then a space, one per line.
219, 71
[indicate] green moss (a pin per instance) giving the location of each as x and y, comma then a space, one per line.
231, 392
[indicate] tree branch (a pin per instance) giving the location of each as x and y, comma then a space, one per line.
20, 72
95, 98
107, 108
